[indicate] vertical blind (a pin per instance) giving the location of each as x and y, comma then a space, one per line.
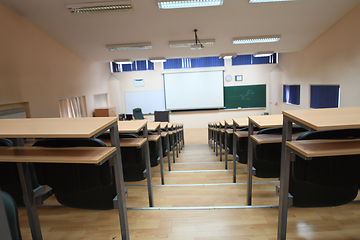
291, 94
178, 63
141, 65
250, 59
324, 96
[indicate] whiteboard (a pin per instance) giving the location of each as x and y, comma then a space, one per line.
148, 101
194, 90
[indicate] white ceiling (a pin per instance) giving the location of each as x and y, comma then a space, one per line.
298, 22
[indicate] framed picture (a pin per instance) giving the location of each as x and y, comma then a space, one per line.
238, 77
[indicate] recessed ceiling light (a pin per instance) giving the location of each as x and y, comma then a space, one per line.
263, 54
158, 59
189, 43
228, 55
262, 1
123, 61
260, 39
129, 46
100, 7
164, 4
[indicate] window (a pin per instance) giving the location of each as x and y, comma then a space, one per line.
141, 65
72, 107
250, 60
179, 63
291, 94
324, 96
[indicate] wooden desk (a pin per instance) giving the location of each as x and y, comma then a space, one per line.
271, 138
165, 134
136, 126
311, 119
237, 123
266, 121
156, 128
62, 128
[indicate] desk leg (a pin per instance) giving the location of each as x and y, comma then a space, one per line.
29, 200
161, 158
168, 150
284, 180
249, 164
148, 168
119, 178
234, 154
173, 144
220, 146
226, 149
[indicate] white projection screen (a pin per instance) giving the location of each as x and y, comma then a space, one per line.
194, 90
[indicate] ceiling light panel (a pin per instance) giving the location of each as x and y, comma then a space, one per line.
260, 39
100, 7
189, 43
188, 3
262, 1
263, 54
129, 46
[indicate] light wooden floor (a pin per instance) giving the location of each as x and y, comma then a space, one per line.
198, 179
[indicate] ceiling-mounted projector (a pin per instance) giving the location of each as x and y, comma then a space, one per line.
196, 46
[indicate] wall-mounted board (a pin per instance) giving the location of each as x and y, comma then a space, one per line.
245, 96
148, 101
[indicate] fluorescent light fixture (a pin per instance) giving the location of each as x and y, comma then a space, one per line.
262, 1
164, 4
123, 61
158, 59
189, 43
260, 39
100, 7
263, 54
129, 46
228, 55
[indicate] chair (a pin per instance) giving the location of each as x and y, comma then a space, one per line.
9, 177
242, 146
12, 216
161, 116
137, 113
83, 186
325, 181
133, 158
267, 157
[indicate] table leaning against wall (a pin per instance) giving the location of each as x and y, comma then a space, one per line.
18, 129
313, 120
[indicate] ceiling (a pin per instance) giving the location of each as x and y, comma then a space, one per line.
298, 22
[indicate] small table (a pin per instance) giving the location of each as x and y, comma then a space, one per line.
266, 121
237, 123
313, 120
61, 128
136, 126
156, 127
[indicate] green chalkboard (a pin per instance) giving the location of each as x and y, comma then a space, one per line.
249, 96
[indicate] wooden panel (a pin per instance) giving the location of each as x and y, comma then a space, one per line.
153, 126
105, 112
132, 142
241, 122
267, 121
327, 119
271, 138
153, 138
131, 126
90, 155
53, 127
323, 148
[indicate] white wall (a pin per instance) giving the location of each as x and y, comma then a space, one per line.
333, 58
252, 74
35, 68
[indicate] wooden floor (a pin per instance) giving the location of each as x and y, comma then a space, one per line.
198, 180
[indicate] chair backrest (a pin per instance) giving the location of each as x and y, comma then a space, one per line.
333, 171
161, 116
73, 178
12, 216
137, 113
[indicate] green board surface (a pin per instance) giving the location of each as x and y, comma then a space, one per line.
248, 96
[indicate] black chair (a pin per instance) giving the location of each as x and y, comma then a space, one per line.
267, 157
137, 113
161, 116
133, 159
325, 181
85, 186
242, 146
9, 177
12, 216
